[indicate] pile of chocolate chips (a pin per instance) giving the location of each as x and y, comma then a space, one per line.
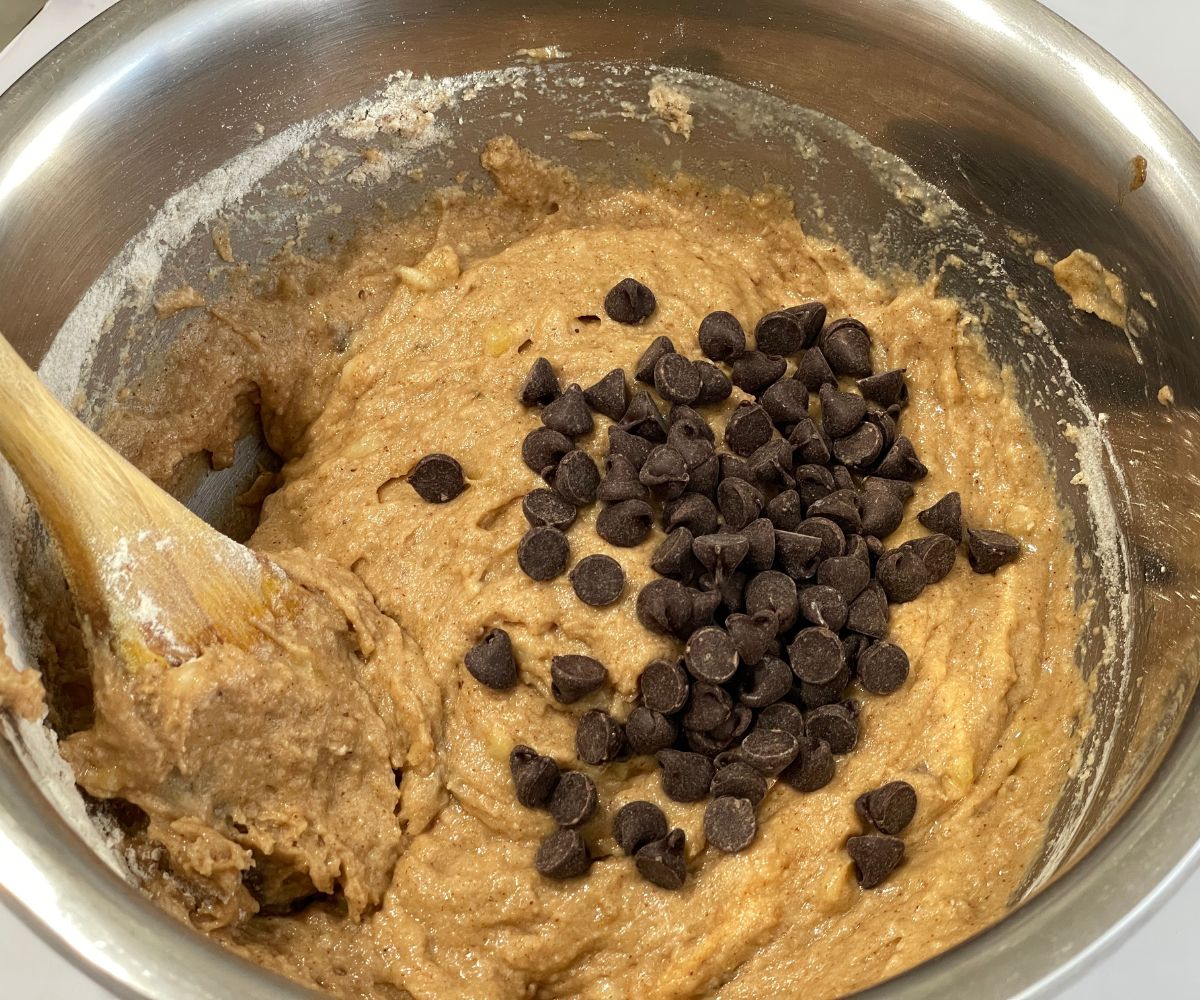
774, 572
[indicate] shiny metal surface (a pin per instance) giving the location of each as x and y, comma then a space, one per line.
1007, 109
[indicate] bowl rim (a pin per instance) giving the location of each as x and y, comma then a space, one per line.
1080, 916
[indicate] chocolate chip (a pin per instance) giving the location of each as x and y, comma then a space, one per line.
674, 557
811, 443
740, 502
760, 533
786, 510
882, 512
898, 488
861, 447
730, 591
944, 517
543, 553
715, 386
676, 379
902, 574
573, 676
846, 345
749, 428
833, 539
721, 336
636, 824
620, 481
707, 743
869, 612
686, 418
534, 776
635, 450
708, 708
490, 661
721, 554
884, 422
437, 478
937, 552
629, 301
665, 606
886, 388
882, 668
690, 439
704, 608
740, 780
901, 462
599, 737
569, 414
772, 464
988, 550
813, 767
693, 511
783, 715
752, 636
840, 507
889, 808
854, 646
841, 412
814, 371
786, 402
847, 575
643, 369
766, 682
734, 467
823, 606
562, 855
543, 448
577, 478
662, 862
710, 656
729, 823
685, 775
875, 856
664, 687
574, 800
797, 555
649, 731
754, 371
779, 333
540, 385
664, 473
643, 418
770, 750
813, 482
817, 695
834, 724
777, 336
609, 396
625, 524
857, 548
545, 508
598, 580
773, 591
816, 655
704, 477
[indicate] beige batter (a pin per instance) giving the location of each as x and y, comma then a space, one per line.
443, 315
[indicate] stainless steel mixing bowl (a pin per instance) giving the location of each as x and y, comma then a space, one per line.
1019, 119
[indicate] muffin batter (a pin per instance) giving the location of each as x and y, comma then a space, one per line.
439, 318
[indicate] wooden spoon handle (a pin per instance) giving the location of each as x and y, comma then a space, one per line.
138, 562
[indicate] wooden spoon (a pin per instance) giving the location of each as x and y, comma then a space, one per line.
144, 570
239, 708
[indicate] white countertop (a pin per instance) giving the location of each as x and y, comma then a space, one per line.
1157, 40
